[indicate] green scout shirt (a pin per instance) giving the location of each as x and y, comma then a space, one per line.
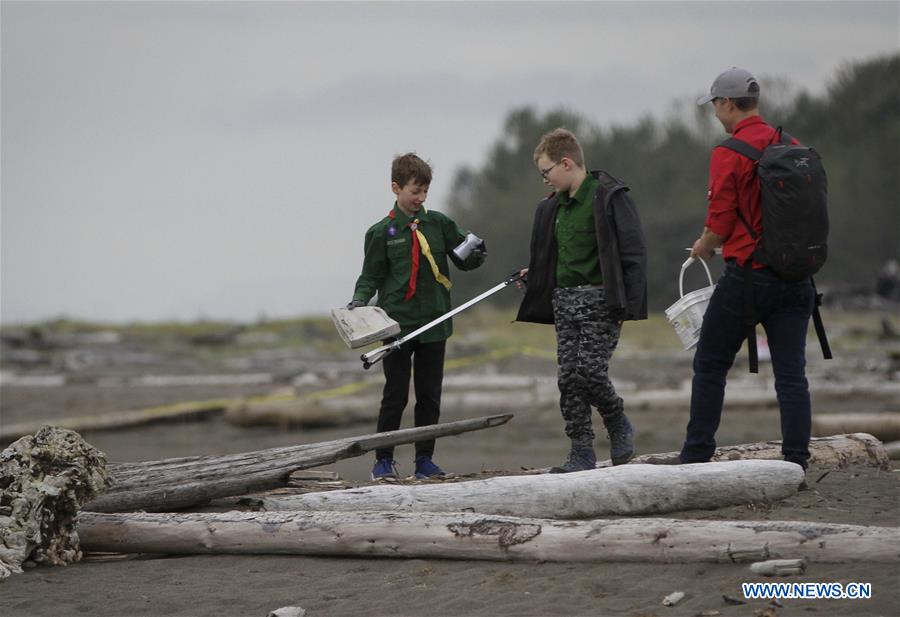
388, 262
578, 260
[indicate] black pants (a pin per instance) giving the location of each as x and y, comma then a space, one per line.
426, 363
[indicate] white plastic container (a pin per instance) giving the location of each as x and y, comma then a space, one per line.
686, 315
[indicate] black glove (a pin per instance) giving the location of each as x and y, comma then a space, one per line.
355, 304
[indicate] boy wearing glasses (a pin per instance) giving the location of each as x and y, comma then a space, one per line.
405, 262
587, 273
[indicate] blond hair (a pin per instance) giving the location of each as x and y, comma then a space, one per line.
560, 143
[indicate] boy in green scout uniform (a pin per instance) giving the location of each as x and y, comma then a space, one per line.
405, 262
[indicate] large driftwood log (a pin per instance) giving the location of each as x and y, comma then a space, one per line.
120, 419
893, 450
302, 412
752, 394
478, 536
625, 490
884, 426
175, 483
834, 451
45, 478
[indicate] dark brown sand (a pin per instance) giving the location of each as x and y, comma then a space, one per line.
254, 585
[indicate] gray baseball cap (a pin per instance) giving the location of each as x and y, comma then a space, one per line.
733, 84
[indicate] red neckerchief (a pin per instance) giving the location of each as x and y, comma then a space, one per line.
414, 270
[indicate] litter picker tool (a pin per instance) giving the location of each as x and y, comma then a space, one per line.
372, 357
717, 250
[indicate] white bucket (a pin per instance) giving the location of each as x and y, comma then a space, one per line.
686, 315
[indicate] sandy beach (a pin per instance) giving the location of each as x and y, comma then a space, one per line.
253, 585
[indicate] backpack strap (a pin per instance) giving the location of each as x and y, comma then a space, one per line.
817, 322
742, 147
745, 149
750, 316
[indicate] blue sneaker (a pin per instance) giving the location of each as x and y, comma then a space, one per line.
425, 468
385, 468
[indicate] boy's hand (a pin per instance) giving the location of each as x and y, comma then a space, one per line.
522, 283
355, 304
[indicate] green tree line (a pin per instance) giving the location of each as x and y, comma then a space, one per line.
854, 125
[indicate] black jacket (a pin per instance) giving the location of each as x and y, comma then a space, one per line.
622, 254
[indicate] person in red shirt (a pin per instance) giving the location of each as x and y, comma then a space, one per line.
782, 307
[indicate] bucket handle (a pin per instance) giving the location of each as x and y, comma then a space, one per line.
685, 266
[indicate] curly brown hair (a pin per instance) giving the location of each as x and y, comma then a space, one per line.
408, 167
560, 143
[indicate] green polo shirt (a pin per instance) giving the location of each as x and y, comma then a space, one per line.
387, 265
578, 260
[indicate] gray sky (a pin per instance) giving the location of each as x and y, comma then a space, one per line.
174, 160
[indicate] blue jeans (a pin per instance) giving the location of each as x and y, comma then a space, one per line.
783, 309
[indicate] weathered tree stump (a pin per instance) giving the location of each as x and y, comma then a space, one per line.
479, 536
623, 490
45, 478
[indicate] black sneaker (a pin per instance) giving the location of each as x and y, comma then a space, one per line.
621, 438
580, 459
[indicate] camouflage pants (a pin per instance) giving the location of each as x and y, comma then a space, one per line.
586, 337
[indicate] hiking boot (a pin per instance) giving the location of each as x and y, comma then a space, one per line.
425, 468
621, 438
581, 458
385, 468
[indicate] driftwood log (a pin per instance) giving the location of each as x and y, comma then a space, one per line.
779, 567
752, 395
884, 426
309, 412
45, 478
623, 490
893, 450
834, 451
302, 412
120, 419
170, 484
478, 536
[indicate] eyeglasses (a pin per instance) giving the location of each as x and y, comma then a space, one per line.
544, 172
